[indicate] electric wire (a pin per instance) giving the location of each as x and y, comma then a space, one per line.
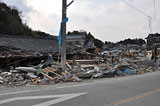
148, 17
135, 8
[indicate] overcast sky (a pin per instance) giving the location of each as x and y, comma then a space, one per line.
107, 20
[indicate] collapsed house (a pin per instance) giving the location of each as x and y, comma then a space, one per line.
48, 71
25, 49
34, 61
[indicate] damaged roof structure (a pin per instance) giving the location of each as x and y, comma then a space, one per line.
25, 49
44, 44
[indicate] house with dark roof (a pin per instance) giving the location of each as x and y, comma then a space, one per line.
76, 39
153, 40
153, 44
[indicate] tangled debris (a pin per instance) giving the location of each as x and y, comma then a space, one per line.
50, 72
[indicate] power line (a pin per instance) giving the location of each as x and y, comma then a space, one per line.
135, 8
149, 17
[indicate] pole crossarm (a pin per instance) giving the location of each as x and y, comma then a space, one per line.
69, 4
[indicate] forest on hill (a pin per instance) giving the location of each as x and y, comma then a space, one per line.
11, 23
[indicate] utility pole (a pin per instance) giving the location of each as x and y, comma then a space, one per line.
155, 52
63, 48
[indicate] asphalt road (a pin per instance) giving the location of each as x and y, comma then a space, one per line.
139, 90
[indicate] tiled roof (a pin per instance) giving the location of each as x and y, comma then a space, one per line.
75, 37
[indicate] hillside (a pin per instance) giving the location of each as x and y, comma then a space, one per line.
132, 41
11, 23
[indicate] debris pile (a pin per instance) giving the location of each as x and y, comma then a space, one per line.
44, 73
101, 70
48, 71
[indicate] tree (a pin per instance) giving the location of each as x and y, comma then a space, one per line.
98, 43
132, 41
11, 23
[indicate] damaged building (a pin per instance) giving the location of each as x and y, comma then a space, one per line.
25, 49
78, 40
153, 45
30, 43
28, 61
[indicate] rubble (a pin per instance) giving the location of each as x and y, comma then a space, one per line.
88, 66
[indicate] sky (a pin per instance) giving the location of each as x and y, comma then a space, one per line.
107, 20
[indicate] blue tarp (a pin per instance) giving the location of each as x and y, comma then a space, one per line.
129, 71
60, 32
